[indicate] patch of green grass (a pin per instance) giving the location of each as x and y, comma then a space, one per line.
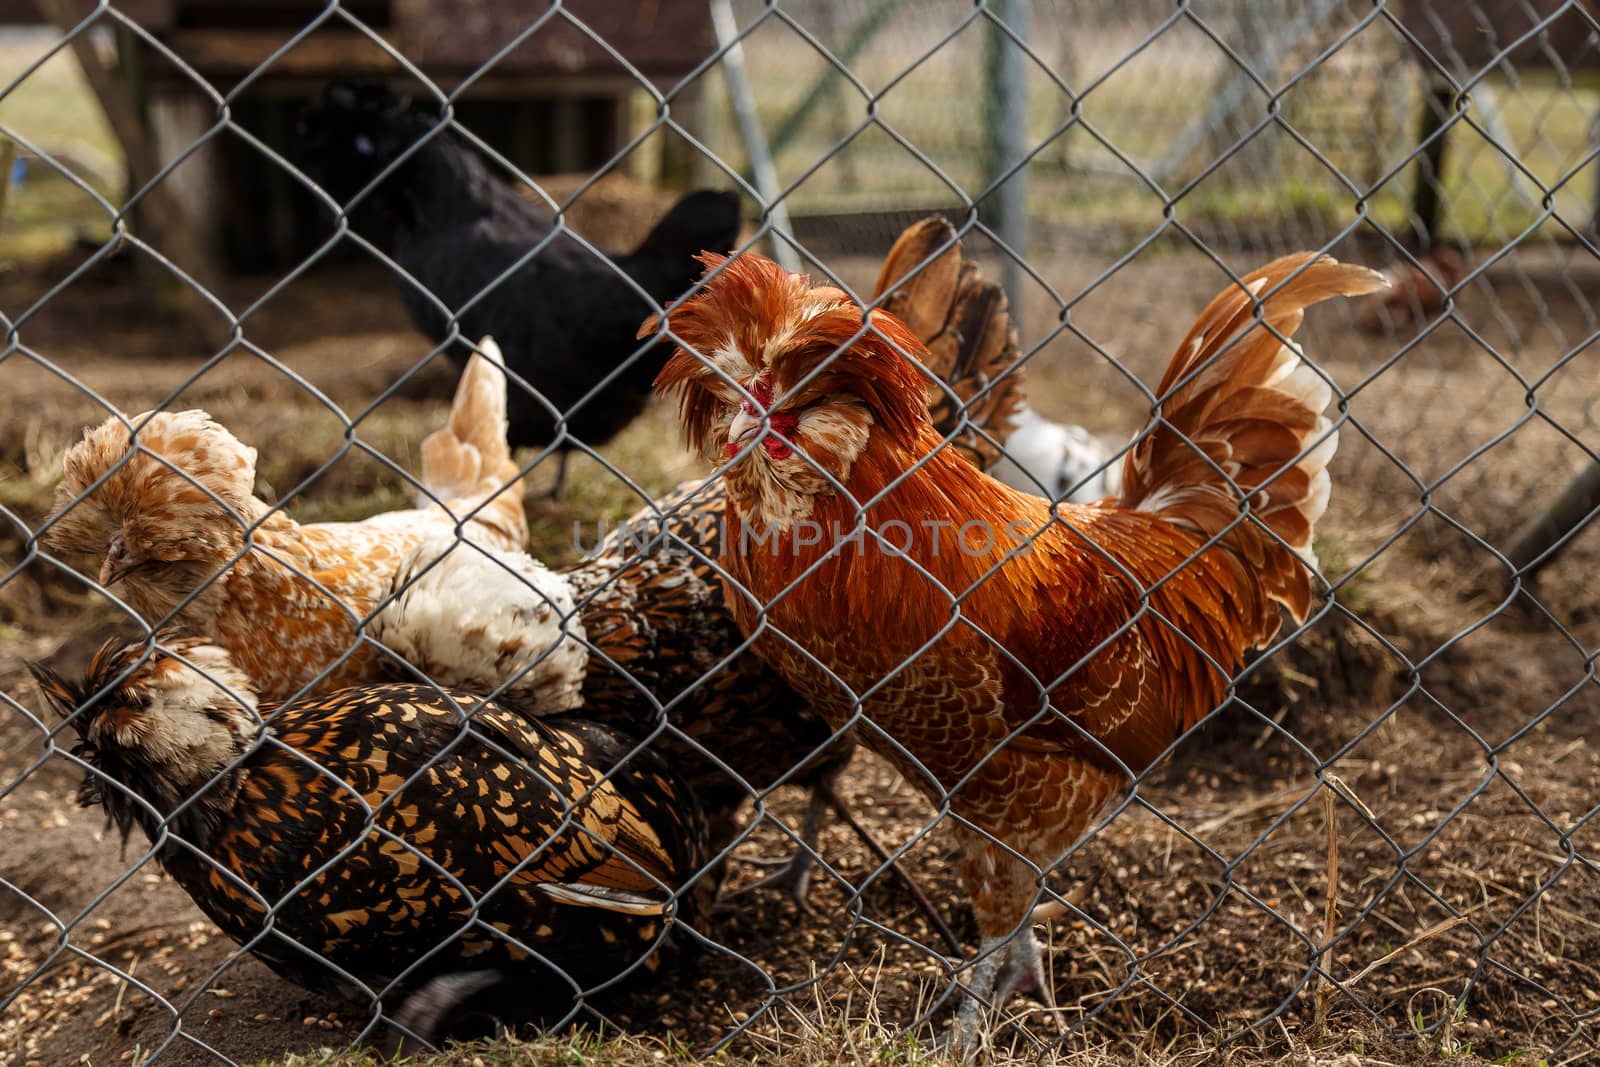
596, 498
1357, 592
1520, 1058
52, 109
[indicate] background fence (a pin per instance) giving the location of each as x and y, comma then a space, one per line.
1113, 163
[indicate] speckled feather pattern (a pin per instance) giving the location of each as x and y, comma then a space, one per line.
570, 844
488, 621
654, 612
1114, 612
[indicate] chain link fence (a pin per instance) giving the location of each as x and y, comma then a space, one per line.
1383, 834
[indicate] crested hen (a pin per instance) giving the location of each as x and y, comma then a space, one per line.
166, 501
421, 850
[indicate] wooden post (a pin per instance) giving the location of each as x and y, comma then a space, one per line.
1543, 537
1594, 204
1006, 141
8, 162
162, 216
1438, 104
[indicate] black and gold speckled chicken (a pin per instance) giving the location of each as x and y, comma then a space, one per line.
549, 856
653, 612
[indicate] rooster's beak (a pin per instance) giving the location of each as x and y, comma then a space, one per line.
120, 562
743, 427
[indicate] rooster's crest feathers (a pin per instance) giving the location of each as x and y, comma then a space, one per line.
752, 317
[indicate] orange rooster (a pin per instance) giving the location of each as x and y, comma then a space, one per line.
170, 511
1017, 661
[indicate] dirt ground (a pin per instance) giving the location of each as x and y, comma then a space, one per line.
1205, 898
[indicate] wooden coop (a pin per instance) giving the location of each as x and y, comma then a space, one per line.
556, 102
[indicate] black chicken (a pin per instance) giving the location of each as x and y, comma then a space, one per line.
565, 316
440, 849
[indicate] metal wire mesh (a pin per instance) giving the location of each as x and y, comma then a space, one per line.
1381, 834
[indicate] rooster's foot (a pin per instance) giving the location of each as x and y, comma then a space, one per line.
793, 874
1024, 972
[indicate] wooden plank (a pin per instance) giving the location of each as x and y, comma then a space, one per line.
661, 37
221, 55
451, 41
235, 53
1465, 37
156, 13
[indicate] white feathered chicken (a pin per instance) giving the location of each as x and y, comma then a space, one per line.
1055, 460
166, 502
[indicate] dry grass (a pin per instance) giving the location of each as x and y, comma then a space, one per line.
1440, 906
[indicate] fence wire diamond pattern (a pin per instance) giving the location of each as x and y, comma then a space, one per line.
522, 750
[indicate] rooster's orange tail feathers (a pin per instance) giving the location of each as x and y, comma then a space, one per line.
468, 461
1242, 416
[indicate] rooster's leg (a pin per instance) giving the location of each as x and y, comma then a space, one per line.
1004, 888
795, 872
1005, 966
966, 1041
1024, 971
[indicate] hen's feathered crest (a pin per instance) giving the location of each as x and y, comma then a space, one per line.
184, 492
127, 672
159, 722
